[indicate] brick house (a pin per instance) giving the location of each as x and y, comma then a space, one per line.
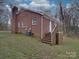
38, 23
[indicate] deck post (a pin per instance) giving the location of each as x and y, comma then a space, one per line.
41, 27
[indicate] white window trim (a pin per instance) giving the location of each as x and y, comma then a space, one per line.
34, 21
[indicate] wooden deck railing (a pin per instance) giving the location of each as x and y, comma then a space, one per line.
51, 36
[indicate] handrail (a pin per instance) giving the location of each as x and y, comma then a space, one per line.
49, 38
54, 27
53, 33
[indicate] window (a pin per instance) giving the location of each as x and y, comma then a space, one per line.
34, 21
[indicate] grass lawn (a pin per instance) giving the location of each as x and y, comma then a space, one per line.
23, 47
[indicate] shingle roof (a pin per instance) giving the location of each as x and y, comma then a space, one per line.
45, 15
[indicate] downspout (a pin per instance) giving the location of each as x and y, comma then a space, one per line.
50, 26
41, 27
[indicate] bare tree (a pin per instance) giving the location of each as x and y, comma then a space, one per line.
69, 16
74, 15
4, 15
60, 15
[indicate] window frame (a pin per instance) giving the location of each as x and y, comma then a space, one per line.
34, 21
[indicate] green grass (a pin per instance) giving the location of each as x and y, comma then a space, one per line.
23, 47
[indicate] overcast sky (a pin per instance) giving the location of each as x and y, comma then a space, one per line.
36, 4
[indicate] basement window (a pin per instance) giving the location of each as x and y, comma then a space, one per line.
34, 21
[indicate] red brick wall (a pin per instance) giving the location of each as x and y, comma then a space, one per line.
26, 18
46, 23
37, 28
